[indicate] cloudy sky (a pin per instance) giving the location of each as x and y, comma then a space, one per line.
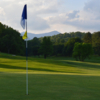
52, 15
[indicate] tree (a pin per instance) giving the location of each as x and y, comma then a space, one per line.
62, 41
33, 46
58, 49
87, 38
82, 51
96, 42
69, 45
46, 47
11, 41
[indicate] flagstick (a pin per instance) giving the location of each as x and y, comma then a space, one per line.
26, 63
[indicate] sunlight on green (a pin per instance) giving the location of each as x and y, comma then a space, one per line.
50, 65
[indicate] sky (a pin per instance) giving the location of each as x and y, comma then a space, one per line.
52, 15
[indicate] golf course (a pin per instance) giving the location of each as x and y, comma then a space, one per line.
54, 78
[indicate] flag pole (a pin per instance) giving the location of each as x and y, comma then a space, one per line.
23, 23
26, 63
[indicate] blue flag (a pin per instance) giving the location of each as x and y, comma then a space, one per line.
24, 16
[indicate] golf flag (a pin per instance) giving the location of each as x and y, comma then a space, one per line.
25, 35
24, 24
24, 16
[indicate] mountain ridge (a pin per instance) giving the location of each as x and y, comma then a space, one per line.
32, 35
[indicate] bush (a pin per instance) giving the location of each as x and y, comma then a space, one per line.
82, 51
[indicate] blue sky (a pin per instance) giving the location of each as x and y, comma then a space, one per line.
52, 15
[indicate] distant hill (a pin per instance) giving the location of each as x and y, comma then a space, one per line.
32, 35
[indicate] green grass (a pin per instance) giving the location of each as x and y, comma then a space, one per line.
49, 87
9, 63
49, 79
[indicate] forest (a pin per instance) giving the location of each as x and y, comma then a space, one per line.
61, 44
10, 41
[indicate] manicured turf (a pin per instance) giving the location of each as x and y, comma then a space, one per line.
49, 87
49, 79
9, 63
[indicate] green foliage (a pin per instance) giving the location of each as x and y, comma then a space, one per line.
62, 38
59, 44
46, 47
63, 44
82, 51
96, 42
58, 49
11, 41
33, 46
87, 38
68, 48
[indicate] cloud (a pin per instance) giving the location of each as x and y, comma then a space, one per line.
13, 11
92, 6
2, 11
37, 12
50, 14
87, 19
37, 23
73, 14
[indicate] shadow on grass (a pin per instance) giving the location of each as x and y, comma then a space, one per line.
70, 63
13, 57
82, 64
24, 68
55, 61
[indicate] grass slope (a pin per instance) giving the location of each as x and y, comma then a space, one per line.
9, 63
49, 79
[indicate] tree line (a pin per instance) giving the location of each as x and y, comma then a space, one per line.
64, 47
10, 41
65, 44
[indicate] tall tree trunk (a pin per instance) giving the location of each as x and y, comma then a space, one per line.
8, 51
45, 56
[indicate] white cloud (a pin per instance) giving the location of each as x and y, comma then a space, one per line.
46, 15
13, 11
87, 19
2, 11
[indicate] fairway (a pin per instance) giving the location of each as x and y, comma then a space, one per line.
49, 79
